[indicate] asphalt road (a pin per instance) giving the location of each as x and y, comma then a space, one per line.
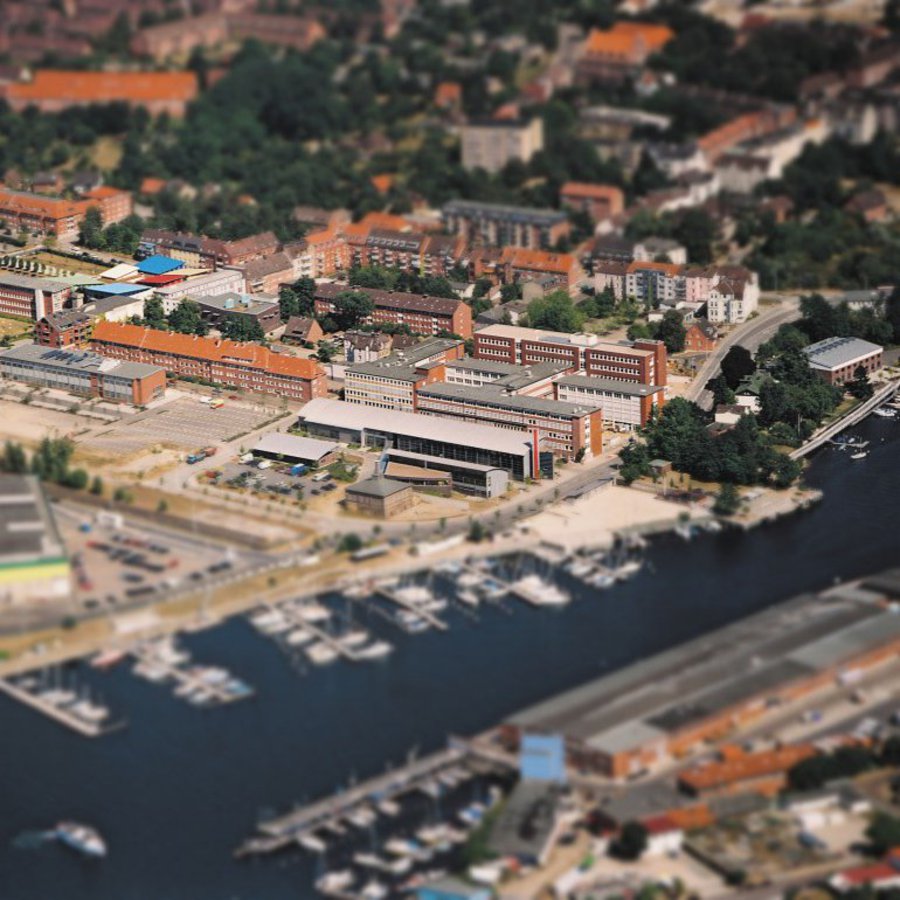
749, 335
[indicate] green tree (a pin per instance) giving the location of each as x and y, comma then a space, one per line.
860, 387
97, 486
154, 313
90, 232
555, 312
630, 843
242, 328
351, 308
297, 299
883, 832
187, 319
476, 531
787, 471
737, 364
671, 331
13, 459
728, 500
350, 543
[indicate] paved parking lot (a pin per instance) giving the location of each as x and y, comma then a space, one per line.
118, 566
186, 424
276, 479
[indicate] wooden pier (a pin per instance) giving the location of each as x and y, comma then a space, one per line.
292, 612
384, 590
194, 681
281, 831
59, 714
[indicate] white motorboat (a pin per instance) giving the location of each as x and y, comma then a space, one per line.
321, 654
313, 612
299, 637
335, 882
470, 598
312, 843
375, 650
538, 592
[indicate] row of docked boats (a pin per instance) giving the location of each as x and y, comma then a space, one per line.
75, 702
308, 626
162, 661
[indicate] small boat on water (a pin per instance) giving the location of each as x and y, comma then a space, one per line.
862, 454
885, 413
299, 637
332, 883
321, 654
469, 598
83, 838
388, 808
354, 638
375, 650
492, 589
374, 890
626, 569
535, 590
602, 579
312, 843
106, 659
312, 611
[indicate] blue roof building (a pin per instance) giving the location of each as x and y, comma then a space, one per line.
453, 889
543, 758
159, 265
99, 291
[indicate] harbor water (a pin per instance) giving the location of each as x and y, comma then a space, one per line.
178, 790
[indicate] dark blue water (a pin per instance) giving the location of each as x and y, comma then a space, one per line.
178, 791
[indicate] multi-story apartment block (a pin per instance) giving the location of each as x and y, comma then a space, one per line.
31, 298
247, 366
23, 211
498, 225
492, 143
423, 315
518, 264
114, 204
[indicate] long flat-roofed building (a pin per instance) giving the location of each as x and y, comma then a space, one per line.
836, 359
421, 313
218, 308
642, 361
247, 366
567, 430
512, 451
631, 720
31, 298
84, 373
34, 566
392, 382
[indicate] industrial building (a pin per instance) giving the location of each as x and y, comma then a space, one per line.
83, 373
291, 448
663, 707
836, 359
432, 472
34, 567
514, 452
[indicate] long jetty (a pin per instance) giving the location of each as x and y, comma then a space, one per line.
188, 678
385, 591
853, 417
283, 830
59, 714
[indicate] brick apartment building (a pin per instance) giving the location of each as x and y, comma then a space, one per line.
249, 366
836, 359
24, 211
423, 315
518, 264
114, 204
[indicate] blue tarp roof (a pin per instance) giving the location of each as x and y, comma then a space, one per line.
114, 290
159, 265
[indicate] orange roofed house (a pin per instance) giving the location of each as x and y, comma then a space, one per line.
52, 90
619, 53
247, 366
520, 264
599, 201
47, 215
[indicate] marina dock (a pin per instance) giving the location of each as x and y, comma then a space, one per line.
388, 591
281, 831
63, 714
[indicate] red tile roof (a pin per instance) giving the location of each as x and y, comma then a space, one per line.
105, 87
631, 39
538, 260
252, 355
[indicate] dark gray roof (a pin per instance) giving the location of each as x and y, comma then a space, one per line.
80, 360
493, 396
834, 352
527, 820
610, 384
377, 487
34, 284
528, 214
